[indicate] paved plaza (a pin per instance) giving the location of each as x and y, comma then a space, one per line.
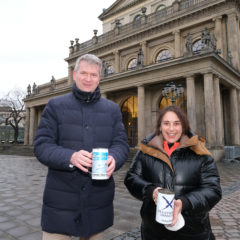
21, 186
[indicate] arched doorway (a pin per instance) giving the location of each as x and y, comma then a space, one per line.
130, 117
180, 102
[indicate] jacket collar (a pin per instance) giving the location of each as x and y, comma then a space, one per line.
153, 146
87, 97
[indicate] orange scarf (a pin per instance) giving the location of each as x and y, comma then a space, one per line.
166, 147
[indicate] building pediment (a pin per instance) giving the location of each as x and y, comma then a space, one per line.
118, 6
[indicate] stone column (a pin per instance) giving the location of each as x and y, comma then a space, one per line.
145, 52
218, 113
239, 108
238, 33
209, 109
39, 115
191, 102
116, 67
233, 39
26, 127
70, 75
234, 117
32, 125
141, 113
177, 43
218, 33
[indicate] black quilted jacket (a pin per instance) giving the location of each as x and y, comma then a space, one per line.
190, 172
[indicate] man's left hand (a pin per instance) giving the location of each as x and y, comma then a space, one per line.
111, 166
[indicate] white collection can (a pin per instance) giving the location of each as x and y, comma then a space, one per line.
164, 209
99, 167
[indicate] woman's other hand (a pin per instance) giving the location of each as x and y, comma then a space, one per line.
176, 210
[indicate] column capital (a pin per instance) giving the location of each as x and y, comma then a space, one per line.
207, 72
143, 43
232, 15
116, 52
218, 18
176, 31
216, 76
189, 76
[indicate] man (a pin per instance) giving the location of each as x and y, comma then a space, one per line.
70, 127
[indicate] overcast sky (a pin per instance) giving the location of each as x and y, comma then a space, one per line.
36, 34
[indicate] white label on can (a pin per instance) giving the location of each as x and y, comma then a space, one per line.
164, 209
99, 167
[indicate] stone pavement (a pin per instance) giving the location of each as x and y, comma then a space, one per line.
21, 185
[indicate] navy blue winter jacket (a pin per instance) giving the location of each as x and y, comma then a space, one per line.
73, 204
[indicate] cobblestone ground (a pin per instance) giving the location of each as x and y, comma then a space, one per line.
21, 185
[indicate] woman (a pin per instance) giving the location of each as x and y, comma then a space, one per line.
175, 159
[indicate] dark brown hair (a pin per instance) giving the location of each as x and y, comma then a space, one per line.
181, 115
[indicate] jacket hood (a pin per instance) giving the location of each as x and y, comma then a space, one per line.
153, 146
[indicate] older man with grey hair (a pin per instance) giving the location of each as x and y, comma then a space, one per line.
71, 126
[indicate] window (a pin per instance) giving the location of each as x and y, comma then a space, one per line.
197, 46
161, 11
130, 118
110, 70
132, 64
164, 55
137, 21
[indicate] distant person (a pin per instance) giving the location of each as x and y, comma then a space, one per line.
70, 127
175, 159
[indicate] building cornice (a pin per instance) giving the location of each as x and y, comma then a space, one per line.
210, 57
213, 63
181, 19
107, 13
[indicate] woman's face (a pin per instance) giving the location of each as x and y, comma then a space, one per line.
171, 127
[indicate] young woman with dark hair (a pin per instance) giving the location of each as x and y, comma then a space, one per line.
174, 158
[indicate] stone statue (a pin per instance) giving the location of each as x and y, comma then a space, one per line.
53, 83
29, 90
209, 41
206, 37
71, 48
213, 42
95, 38
37, 90
189, 43
105, 68
117, 27
140, 58
34, 88
229, 58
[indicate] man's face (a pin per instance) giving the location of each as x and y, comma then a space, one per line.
87, 77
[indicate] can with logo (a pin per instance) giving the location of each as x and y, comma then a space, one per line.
99, 167
164, 209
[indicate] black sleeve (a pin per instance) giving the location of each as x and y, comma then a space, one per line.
134, 181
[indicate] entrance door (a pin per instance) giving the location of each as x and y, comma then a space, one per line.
130, 117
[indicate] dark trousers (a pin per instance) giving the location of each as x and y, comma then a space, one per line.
148, 235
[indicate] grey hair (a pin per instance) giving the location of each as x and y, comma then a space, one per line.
91, 59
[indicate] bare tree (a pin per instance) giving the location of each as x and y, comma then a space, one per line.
15, 101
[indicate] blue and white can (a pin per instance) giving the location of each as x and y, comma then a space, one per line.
99, 167
165, 204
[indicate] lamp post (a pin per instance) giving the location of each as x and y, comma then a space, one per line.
172, 92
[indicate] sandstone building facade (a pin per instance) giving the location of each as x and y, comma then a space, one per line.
147, 44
